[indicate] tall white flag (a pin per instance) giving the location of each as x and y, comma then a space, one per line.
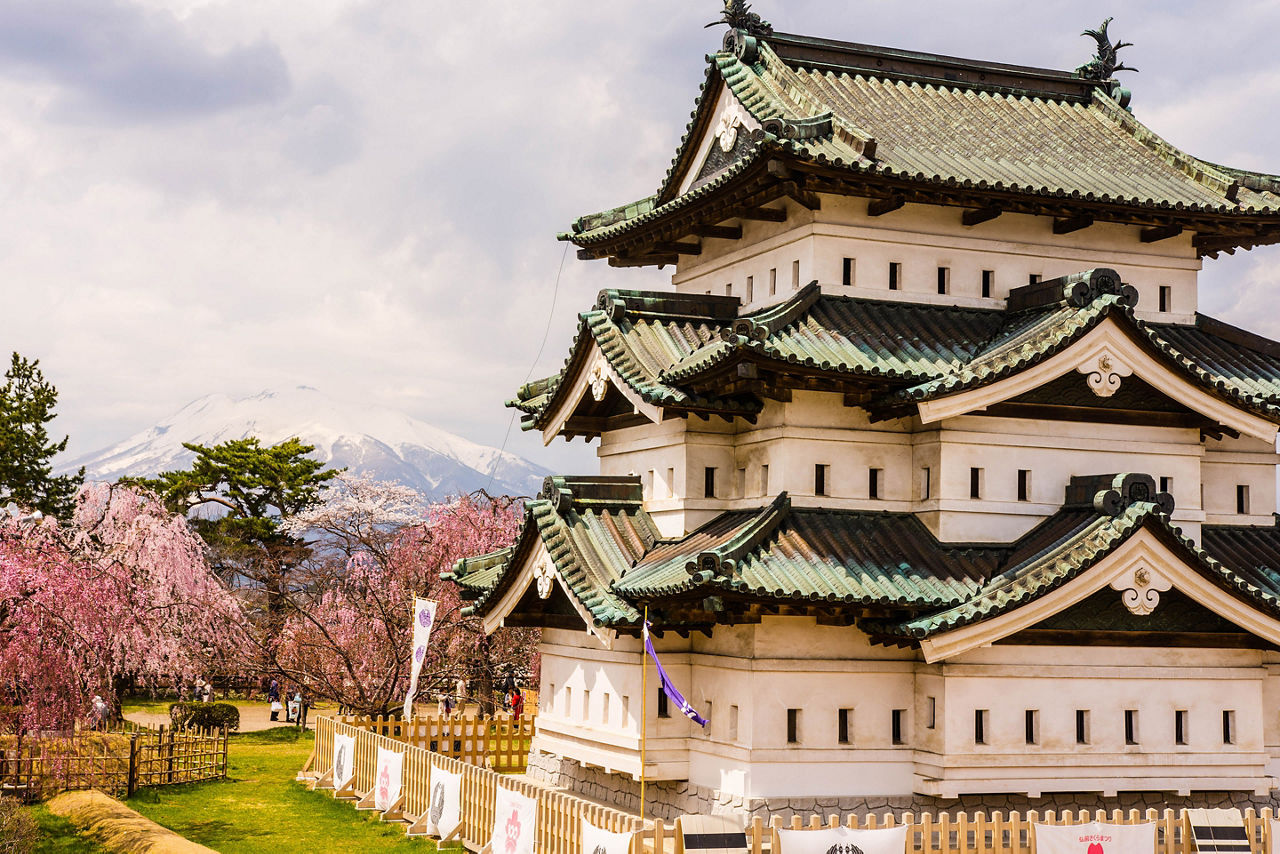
424, 617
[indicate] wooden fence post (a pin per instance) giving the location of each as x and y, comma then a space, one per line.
133, 766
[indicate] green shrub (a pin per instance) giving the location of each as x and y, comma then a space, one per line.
204, 716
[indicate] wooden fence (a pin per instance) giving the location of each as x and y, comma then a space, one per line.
559, 814
500, 742
114, 762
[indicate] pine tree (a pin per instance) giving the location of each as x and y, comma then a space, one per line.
27, 400
240, 493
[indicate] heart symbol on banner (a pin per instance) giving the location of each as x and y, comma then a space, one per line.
1095, 848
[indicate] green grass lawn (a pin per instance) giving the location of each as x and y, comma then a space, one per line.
260, 807
57, 836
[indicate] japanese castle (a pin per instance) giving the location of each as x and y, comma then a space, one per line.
937, 488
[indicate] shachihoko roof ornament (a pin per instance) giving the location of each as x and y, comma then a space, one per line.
738, 15
1105, 62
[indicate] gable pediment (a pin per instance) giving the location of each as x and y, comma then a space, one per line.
1140, 574
1102, 361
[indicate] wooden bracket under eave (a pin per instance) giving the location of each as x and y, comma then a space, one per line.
1066, 225
880, 207
1160, 232
977, 216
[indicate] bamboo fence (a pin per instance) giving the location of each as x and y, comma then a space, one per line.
499, 742
114, 762
560, 813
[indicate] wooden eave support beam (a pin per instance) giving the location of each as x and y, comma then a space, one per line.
720, 232
763, 214
677, 249
641, 260
1160, 232
1066, 225
880, 207
977, 216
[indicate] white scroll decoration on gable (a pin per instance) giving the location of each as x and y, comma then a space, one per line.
599, 380
1140, 589
727, 127
1104, 372
544, 578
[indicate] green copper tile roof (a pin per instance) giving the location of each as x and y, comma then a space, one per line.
1065, 546
591, 532
812, 555
608, 552
932, 132
665, 346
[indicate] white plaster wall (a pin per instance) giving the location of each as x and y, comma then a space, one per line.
816, 428
794, 663
923, 238
1231, 462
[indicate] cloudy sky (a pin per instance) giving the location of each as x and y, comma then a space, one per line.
233, 195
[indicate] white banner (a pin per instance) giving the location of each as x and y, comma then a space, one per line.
888, 840
514, 819
597, 840
424, 617
1096, 838
387, 779
344, 760
445, 812
1274, 826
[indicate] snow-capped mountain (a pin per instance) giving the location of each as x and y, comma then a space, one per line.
387, 444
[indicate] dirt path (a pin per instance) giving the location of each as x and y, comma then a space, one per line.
254, 717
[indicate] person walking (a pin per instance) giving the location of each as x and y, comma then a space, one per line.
208, 691
273, 697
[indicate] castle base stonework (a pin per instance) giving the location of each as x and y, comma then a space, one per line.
669, 799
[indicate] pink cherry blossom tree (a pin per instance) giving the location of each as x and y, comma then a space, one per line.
379, 545
123, 590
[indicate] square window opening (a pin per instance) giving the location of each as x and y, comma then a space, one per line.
898, 726
1032, 724
773, 281
1082, 726
1166, 298
793, 726
742, 483
1033, 279
975, 483
764, 480
733, 723
709, 482
1228, 727
1024, 484
728, 289
980, 719
850, 268
875, 481
931, 721
926, 483
820, 479
795, 275
944, 280
671, 483
751, 288
1242, 499
988, 282
895, 275
1180, 721
1166, 484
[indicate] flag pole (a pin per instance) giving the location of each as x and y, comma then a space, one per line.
644, 703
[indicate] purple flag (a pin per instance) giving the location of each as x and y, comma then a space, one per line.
667, 688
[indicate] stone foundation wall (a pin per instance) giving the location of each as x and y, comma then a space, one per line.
670, 799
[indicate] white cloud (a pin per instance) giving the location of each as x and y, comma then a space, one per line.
228, 195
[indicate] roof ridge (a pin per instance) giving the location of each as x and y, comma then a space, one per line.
722, 560
1200, 171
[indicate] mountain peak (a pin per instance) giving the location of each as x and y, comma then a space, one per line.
386, 443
